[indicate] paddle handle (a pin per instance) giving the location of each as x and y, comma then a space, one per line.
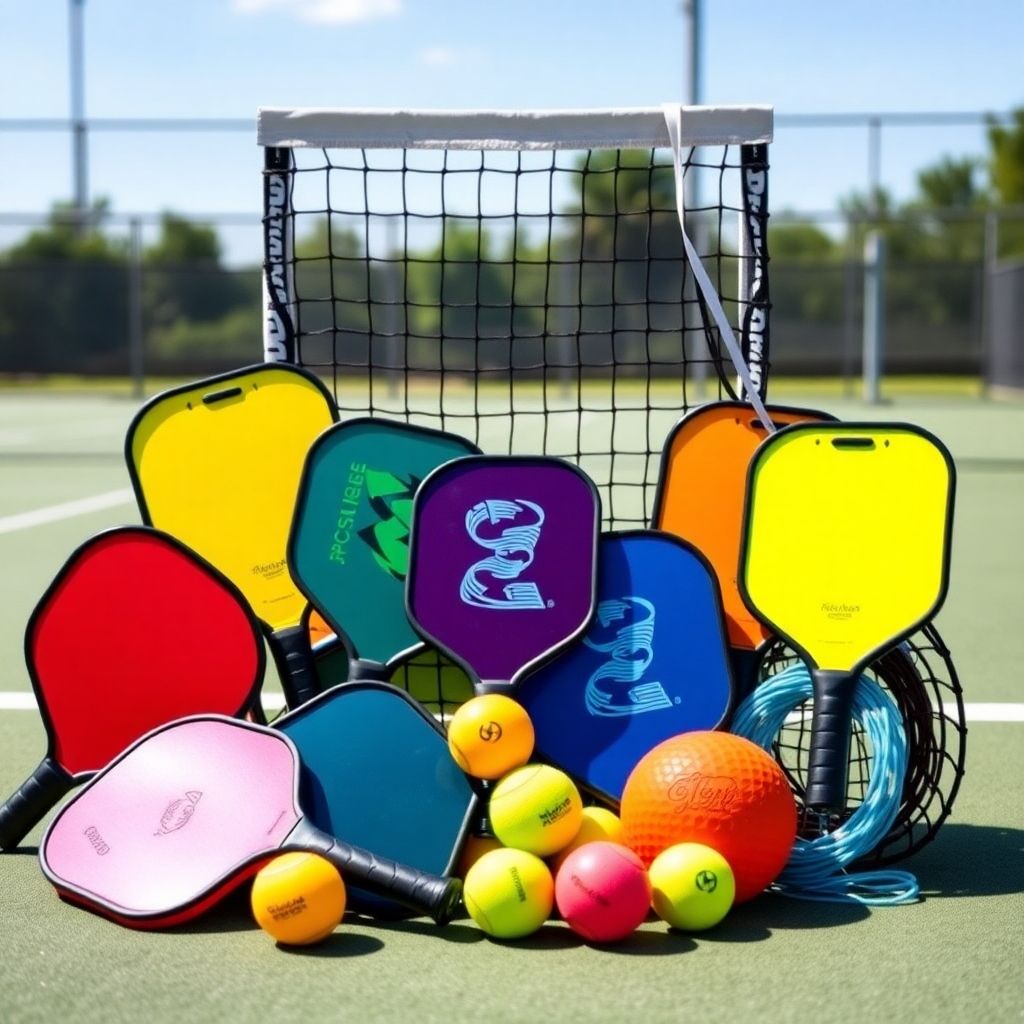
502, 686
27, 806
745, 667
425, 893
831, 727
295, 666
364, 668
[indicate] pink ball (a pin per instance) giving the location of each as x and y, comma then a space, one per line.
602, 891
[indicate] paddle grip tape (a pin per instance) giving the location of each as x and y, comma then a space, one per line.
27, 806
831, 726
295, 665
364, 668
421, 891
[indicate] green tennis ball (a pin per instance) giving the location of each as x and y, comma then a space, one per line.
509, 893
692, 886
536, 808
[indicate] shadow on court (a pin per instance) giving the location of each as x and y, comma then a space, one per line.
341, 945
458, 931
971, 860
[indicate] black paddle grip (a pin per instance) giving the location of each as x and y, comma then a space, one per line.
295, 666
421, 891
27, 806
363, 668
831, 726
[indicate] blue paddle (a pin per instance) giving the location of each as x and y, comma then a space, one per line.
653, 663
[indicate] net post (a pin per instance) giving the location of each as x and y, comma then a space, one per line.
874, 315
279, 316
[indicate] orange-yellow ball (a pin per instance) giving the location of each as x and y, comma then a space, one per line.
490, 735
536, 808
598, 824
298, 898
474, 849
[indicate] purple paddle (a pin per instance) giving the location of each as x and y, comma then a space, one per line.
502, 562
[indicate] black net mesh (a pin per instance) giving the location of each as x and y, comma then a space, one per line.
531, 301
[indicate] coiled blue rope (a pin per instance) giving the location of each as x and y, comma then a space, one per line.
816, 869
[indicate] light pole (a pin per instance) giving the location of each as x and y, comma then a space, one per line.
76, 74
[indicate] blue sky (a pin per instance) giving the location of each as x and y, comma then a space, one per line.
224, 58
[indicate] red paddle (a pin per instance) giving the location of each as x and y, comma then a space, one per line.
135, 631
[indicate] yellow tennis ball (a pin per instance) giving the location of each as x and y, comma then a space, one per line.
692, 886
509, 893
298, 898
490, 735
597, 824
536, 808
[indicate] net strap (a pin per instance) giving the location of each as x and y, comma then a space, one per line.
674, 123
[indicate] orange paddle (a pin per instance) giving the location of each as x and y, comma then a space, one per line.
701, 492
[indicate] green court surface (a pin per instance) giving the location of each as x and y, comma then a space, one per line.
957, 953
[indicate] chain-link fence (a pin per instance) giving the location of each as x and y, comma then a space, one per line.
126, 307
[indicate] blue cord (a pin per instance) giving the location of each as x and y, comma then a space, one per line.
816, 867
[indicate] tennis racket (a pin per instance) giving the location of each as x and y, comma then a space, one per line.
134, 631
217, 464
845, 553
653, 663
188, 813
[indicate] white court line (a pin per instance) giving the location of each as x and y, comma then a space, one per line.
65, 510
977, 711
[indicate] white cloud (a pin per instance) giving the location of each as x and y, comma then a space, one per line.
325, 12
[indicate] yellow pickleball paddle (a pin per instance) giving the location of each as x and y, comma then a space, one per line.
845, 553
217, 465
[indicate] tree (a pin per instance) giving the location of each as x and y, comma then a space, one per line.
64, 298
183, 275
1006, 159
951, 183
1006, 171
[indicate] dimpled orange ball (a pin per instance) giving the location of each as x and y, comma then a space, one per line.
717, 789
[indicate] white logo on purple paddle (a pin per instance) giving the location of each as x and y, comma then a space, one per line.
512, 548
617, 687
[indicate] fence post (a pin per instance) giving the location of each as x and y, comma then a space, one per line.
874, 315
136, 340
989, 265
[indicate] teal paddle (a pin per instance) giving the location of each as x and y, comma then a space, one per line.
349, 546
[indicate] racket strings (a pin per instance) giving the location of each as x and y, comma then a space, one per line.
818, 868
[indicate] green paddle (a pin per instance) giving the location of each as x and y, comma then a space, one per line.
349, 546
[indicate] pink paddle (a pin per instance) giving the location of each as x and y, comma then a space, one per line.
188, 813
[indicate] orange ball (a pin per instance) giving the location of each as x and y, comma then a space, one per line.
490, 735
717, 789
598, 824
474, 848
298, 898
